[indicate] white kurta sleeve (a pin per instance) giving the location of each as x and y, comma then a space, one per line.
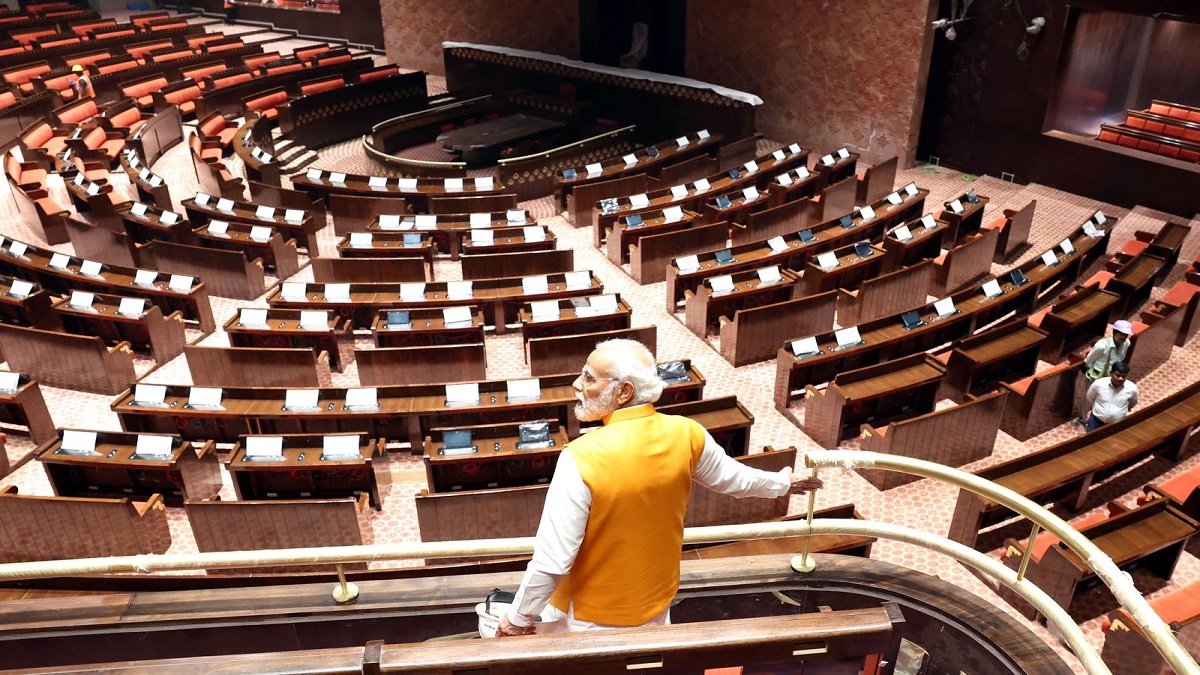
720, 472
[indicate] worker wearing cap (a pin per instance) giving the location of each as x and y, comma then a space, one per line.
82, 84
1107, 351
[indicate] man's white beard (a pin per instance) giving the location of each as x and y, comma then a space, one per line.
600, 407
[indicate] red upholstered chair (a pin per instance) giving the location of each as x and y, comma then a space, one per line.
40, 142
99, 144
266, 103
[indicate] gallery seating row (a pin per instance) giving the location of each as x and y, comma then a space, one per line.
1159, 144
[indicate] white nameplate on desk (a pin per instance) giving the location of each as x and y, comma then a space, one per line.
462, 393
828, 160
687, 263
313, 174
679, 191
911, 189
18, 248
944, 307
155, 181
827, 260
630, 160
9, 382
149, 394
218, 227
847, 336
425, 221
139, 209
361, 239
264, 212
769, 275
483, 237
168, 218
777, 244
778, 155
131, 307
144, 277
843, 153
93, 189
639, 201
593, 169
1049, 258
90, 268
750, 194
991, 289
452, 184
204, 396
794, 148
154, 446
544, 310
202, 199
478, 220
79, 178
537, 285
867, 213
1067, 247
81, 300
412, 292
928, 221
485, 183
702, 134
377, 182
524, 390
252, 316
578, 280
1100, 218
301, 399
294, 290
457, 315
682, 141
225, 205
721, 284
260, 233
20, 288
406, 183
389, 221
341, 447
804, 346
1091, 231
314, 319
602, 304
802, 173
293, 216
339, 178
751, 166
144, 174
59, 261
459, 290
264, 447
78, 441
702, 185
337, 292
366, 397
673, 214
784, 179
534, 233
515, 215
957, 206
895, 199
902, 233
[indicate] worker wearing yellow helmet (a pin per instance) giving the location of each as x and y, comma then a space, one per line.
82, 84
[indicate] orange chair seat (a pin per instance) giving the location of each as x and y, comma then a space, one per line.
56, 145
1036, 319
1133, 247
1100, 279
1180, 294
211, 154
1045, 539
1181, 486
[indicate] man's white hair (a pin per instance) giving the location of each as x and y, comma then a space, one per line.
637, 367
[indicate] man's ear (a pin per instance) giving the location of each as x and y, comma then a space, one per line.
627, 392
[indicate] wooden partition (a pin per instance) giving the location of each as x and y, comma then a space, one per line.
1152, 340
435, 364
568, 353
27, 407
368, 270
1014, 230
952, 436
965, 263
227, 274
754, 334
472, 204
257, 367
280, 523
581, 202
649, 257
777, 221
679, 173
837, 200
65, 528
95, 242
1041, 401
284, 198
885, 295
356, 214
524, 264
79, 362
877, 180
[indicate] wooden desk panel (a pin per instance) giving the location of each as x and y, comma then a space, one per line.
304, 474
527, 263
965, 263
753, 334
1075, 321
257, 367
887, 294
33, 310
1005, 352
959, 226
571, 322
621, 237
26, 407
79, 362
652, 254
567, 353
228, 273
726, 419
498, 463
62, 528
277, 255
850, 271
368, 270
427, 364
703, 310
162, 335
427, 327
283, 329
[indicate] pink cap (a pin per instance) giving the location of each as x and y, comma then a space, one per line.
1123, 326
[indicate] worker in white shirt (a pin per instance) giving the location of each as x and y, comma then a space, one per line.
1102, 356
1111, 398
608, 547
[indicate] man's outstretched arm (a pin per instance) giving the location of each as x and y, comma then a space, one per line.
720, 472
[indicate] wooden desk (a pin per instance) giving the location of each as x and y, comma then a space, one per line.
26, 407
114, 470
304, 474
841, 168
1078, 319
417, 197
500, 299
278, 256
1064, 473
753, 334
885, 294
621, 236
1135, 281
1006, 352
725, 418
704, 310
303, 231
504, 240
652, 254
30, 310
390, 245
925, 244
283, 329
497, 463
483, 142
961, 225
427, 327
851, 270
449, 232
570, 322
885, 338
905, 387
150, 227
965, 263
162, 335
512, 265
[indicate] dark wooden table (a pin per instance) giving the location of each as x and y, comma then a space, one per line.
483, 142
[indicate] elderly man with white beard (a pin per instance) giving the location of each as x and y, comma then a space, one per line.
608, 547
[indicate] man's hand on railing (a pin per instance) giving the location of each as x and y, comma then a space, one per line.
506, 628
802, 484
